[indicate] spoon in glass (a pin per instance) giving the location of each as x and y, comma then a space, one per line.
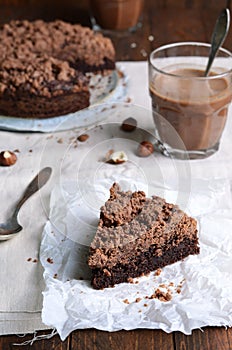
12, 227
219, 34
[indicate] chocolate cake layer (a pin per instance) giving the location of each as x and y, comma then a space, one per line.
151, 234
142, 264
43, 64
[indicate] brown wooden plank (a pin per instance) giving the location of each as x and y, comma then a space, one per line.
7, 342
126, 340
184, 20
155, 340
91, 339
72, 14
210, 338
229, 335
135, 45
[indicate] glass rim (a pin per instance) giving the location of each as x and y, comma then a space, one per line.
188, 43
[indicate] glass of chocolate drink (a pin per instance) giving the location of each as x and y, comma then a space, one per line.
189, 109
116, 15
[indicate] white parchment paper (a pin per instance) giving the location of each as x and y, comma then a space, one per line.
205, 296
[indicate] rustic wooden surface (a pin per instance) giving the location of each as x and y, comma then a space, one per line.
166, 21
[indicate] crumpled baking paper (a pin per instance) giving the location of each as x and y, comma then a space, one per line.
200, 286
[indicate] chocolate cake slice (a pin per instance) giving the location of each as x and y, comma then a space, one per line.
137, 235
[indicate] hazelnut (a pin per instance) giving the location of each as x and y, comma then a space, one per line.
7, 158
118, 157
145, 149
83, 137
129, 124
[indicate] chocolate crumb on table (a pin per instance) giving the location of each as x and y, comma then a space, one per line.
126, 301
158, 272
121, 75
162, 296
50, 260
128, 100
137, 300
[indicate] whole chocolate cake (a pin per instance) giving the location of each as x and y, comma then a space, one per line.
137, 235
44, 66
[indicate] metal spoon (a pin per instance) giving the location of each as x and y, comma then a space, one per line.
219, 34
12, 227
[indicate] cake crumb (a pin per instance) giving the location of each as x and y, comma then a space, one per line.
130, 280
137, 300
162, 296
121, 74
55, 275
145, 305
35, 261
126, 301
60, 140
29, 259
50, 260
128, 100
158, 272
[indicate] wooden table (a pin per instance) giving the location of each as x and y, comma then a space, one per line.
166, 21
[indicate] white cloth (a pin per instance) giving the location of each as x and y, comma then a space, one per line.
21, 274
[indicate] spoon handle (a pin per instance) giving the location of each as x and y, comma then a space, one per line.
37, 183
219, 34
